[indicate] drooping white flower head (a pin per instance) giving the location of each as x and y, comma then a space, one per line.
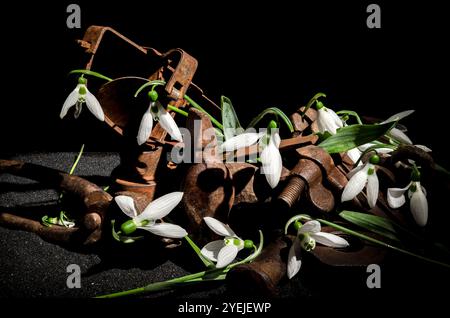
327, 119
222, 251
157, 112
307, 236
270, 156
272, 163
359, 177
417, 195
156, 210
78, 97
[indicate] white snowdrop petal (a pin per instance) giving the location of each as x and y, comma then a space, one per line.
372, 189
310, 227
241, 141
168, 123
145, 129
212, 249
159, 208
271, 164
419, 207
356, 184
226, 255
396, 196
218, 227
294, 262
165, 230
335, 118
326, 122
126, 205
355, 170
69, 102
330, 240
94, 106
355, 154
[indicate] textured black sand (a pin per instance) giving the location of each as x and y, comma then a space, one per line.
31, 267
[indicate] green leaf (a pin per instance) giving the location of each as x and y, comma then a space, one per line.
352, 136
91, 73
276, 111
324, 136
230, 121
373, 223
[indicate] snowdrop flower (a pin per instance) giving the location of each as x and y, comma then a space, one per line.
78, 97
157, 112
307, 236
272, 163
356, 153
223, 251
243, 140
327, 119
270, 156
361, 176
156, 210
418, 203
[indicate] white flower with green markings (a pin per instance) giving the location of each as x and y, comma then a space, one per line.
359, 177
155, 211
223, 251
270, 156
417, 195
157, 112
327, 119
308, 235
78, 97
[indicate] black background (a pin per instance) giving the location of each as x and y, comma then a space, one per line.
259, 55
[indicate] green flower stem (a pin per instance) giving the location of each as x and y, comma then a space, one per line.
75, 164
179, 281
197, 106
380, 243
177, 110
203, 276
196, 249
312, 101
351, 113
91, 73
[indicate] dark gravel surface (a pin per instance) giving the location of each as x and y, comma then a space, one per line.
33, 268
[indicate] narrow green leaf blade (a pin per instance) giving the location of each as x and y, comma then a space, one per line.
373, 223
230, 121
352, 136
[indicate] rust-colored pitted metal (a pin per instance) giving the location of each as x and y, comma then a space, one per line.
94, 199
139, 165
263, 275
314, 167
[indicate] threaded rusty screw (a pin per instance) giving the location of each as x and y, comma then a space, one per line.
292, 191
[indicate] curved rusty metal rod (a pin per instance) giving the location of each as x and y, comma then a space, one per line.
95, 201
